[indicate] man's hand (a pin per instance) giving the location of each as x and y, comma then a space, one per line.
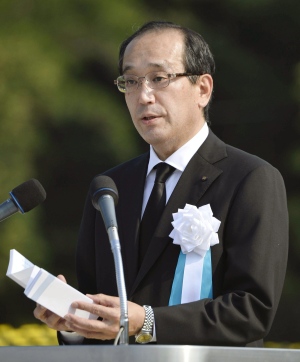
108, 324
52, 320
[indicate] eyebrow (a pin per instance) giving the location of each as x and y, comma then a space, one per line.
164, 65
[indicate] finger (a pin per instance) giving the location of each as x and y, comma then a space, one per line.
62, 278
56, 322
105, 300
103, 335
110, 313
83, 323
91, 328
39, 311
51, 319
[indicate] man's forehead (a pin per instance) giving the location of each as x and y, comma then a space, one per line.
162, 64
155, 49
170, 36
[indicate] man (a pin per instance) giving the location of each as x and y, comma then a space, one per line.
166, 74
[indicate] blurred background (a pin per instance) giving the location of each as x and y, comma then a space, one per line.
62, 120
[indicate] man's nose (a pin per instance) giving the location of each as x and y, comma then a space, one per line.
145, 92
142, 80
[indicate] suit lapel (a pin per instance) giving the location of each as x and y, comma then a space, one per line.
199, 174
131, 190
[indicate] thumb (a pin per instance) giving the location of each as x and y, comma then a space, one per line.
62, 278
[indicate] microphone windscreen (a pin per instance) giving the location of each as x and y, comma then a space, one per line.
29, 194
103, 185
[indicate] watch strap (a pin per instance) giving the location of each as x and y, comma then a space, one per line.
146, 333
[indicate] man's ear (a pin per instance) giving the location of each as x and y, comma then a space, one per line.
205, 84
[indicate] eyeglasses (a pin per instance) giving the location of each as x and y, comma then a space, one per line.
127, 83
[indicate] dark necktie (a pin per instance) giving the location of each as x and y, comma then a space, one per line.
154, 208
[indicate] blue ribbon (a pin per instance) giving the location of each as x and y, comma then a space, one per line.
206, 284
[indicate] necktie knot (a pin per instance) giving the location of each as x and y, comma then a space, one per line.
163, 172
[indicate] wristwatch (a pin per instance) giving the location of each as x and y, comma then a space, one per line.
145, 335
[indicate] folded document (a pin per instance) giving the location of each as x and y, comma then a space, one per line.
44, 288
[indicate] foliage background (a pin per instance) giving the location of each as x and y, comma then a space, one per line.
62, 121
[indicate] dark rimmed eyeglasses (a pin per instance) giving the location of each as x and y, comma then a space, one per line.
127, 83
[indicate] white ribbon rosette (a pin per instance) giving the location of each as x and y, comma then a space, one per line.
195, 230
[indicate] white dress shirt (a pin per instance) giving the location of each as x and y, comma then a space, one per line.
178, 160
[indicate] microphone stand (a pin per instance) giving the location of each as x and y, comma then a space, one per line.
116, 250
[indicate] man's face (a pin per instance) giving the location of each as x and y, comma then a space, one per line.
167, 117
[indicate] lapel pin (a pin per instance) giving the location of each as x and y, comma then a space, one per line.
204, 178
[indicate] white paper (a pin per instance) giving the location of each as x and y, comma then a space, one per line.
44, 288
19, 268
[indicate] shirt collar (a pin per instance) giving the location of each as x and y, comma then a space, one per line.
180, 158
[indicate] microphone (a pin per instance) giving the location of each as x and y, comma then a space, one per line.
104, 196
23, 198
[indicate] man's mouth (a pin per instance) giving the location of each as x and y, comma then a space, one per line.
148, 118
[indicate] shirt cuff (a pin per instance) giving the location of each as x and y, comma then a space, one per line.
70, 338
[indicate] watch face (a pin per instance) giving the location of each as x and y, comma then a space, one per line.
143, 338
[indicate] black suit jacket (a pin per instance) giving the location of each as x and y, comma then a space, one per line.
248, 196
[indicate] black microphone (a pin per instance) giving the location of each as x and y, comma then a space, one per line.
24, 198
104, 195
